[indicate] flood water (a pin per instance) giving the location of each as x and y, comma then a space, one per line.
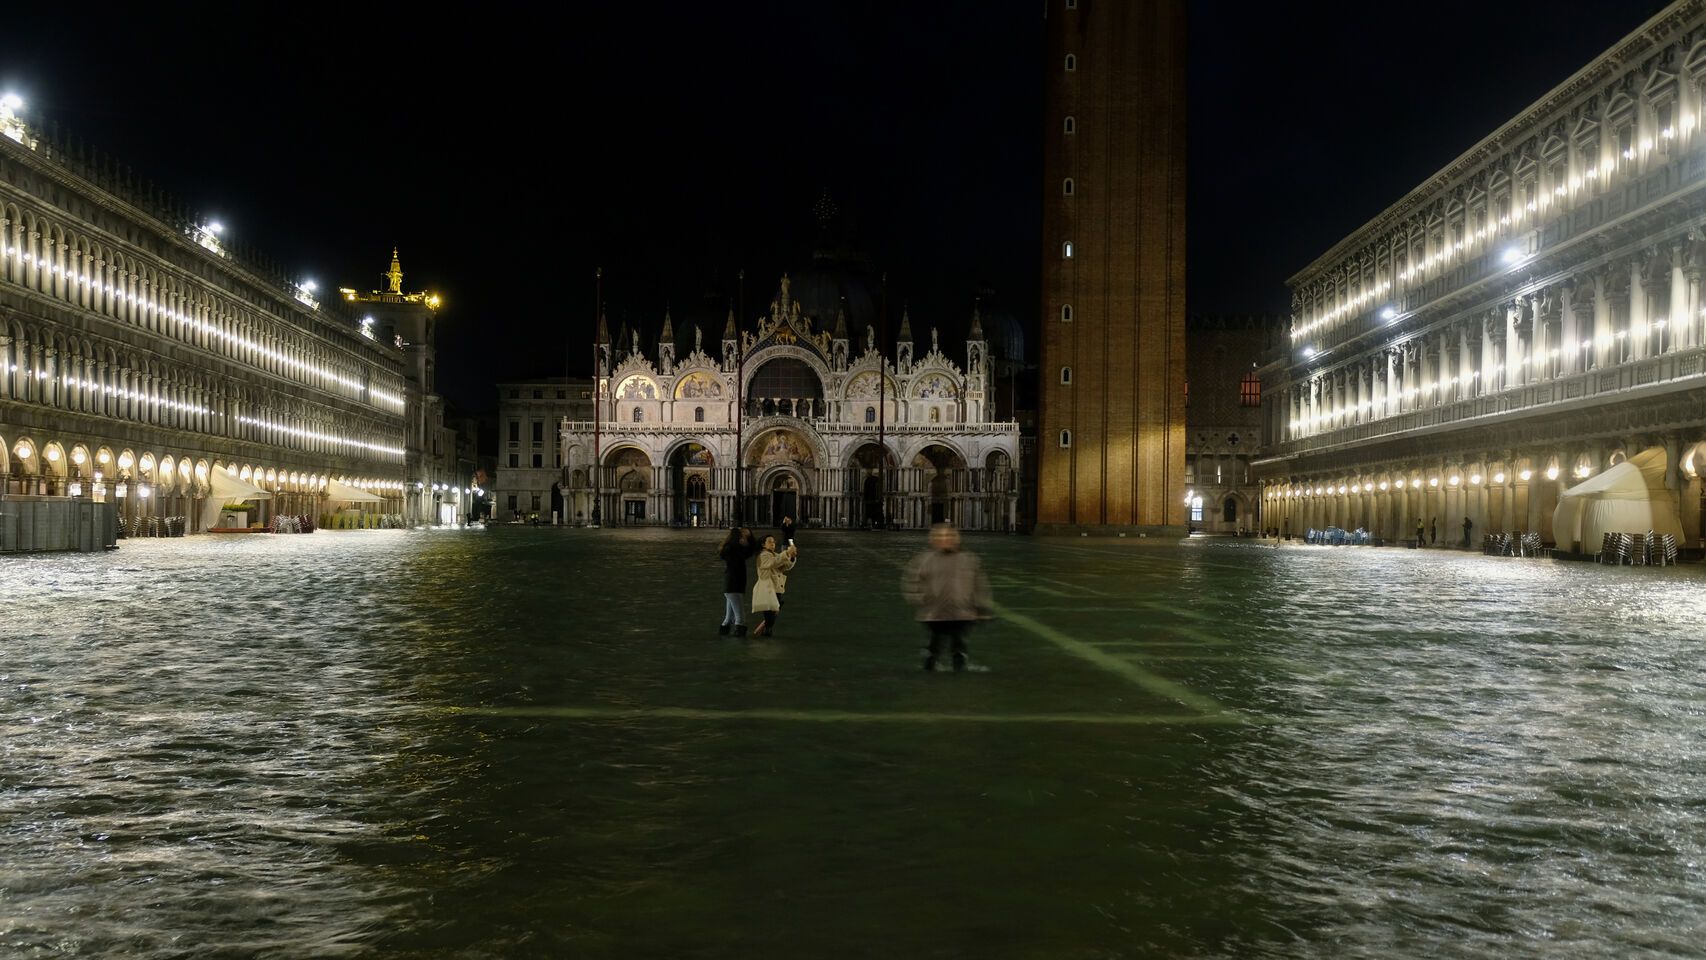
532, 743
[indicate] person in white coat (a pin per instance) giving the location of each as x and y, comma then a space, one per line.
773, 567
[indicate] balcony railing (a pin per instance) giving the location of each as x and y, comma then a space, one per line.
1678, 370
817, 423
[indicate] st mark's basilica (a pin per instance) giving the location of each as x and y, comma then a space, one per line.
797, 416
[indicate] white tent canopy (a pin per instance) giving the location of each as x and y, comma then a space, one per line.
1628, 498
349, 494
223, 489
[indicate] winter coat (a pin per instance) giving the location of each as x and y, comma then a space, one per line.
735, 555
773, 567
948, 585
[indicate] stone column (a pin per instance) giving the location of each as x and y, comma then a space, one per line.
1677, 318
1611, 324
1693, 260
1451, 368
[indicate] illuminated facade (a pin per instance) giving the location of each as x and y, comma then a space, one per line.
831, 432
435, 489
1528, 316
1111, 437
139, 356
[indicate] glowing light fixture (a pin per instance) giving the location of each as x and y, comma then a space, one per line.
1388, 314
1511, 255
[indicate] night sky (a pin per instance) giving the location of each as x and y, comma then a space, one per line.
675, 144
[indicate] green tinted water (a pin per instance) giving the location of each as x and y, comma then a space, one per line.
533, 743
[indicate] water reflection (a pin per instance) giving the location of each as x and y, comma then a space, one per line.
258, 746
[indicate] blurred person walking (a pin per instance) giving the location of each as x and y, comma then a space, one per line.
948, 587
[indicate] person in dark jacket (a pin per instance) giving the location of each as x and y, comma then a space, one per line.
736, 550
787, 537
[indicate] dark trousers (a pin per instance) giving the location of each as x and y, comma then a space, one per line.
770, 615
947, 630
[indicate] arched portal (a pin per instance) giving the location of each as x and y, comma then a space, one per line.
631, 474
690, 466
940, 469
871, 476
782, 451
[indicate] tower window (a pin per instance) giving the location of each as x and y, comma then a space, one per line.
1066, 186
1066, 313
698, 414
1066, 250
1250, 390
1071, 63
1065, 374
638, 416
1071, 125
1066, 438
870, 414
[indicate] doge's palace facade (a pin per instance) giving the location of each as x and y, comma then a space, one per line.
1528, 316
830, 431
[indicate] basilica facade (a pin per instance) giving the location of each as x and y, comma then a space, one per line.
793, 417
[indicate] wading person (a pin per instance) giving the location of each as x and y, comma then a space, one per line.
1419, 541
1433, 532
773, 567
736, 550
948, 587
1467, 526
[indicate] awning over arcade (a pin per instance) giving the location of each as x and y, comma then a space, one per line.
229, 489
223, 488
345, 493
1628, 498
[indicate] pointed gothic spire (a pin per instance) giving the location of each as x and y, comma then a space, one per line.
905, 325
729, 329
394, 276
603, 328
841, 320
976, 331
668, 334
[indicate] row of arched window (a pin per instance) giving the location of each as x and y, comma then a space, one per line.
40, 255
86, 375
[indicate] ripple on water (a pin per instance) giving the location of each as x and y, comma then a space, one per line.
241, 743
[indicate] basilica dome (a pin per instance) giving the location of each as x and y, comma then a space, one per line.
829, 285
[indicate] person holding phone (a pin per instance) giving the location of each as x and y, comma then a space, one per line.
773, 567
787, 538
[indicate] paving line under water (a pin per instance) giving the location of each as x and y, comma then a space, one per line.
1152, 682
841, 716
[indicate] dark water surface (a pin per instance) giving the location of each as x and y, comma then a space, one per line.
523, 743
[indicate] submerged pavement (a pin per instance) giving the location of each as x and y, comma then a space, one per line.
531, 742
